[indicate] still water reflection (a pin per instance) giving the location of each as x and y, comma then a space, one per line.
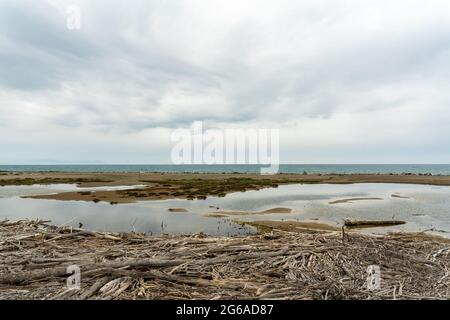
423, 207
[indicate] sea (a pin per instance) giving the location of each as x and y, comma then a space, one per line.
435, 169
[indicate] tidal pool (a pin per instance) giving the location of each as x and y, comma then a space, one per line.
423, 207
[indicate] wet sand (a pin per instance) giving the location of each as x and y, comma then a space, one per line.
301, 226
159, 186
352, 199
247, 213
291, 226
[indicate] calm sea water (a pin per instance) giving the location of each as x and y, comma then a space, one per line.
435, 169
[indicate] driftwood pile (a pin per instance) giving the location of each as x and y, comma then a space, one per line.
34, 257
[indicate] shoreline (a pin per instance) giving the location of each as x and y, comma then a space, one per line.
161, 186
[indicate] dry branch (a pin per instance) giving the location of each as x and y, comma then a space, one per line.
34, 257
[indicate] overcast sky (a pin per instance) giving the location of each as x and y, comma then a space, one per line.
345, 81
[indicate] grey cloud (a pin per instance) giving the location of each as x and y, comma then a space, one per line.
163, 64
42, 28
39, 52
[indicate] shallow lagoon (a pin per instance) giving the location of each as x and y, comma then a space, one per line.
426, 207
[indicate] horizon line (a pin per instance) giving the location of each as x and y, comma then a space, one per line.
195, 164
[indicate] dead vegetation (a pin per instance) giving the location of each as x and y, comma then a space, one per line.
159, 186
34, 257
189, 189
48, 180
201, 188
